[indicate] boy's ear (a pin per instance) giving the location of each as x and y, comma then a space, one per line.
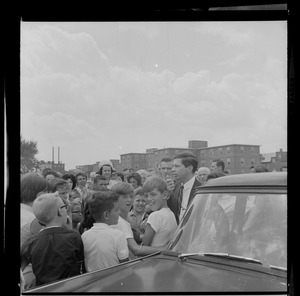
106, 215
166, 195
59, 212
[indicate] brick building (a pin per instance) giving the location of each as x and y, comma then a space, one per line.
237, 157
275, 161
136, 161
58, 167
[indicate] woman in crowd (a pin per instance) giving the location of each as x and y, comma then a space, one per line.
135, 180
71, 180
106, 169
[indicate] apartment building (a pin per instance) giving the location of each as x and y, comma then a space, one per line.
238, 158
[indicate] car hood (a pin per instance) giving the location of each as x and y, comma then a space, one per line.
167, 273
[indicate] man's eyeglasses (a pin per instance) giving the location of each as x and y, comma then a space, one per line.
64, 206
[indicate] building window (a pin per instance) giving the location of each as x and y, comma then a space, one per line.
211, 152
228, 161
228, 150
273, 160
220, 150
252, 150
242, 149
242, 161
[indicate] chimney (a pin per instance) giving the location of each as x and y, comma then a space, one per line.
58, 153
52, 154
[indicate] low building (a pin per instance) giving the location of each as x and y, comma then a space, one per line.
274, 161
136, 161
58, 167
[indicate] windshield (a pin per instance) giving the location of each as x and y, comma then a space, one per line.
247, 225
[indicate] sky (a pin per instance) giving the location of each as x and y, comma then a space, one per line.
101, 89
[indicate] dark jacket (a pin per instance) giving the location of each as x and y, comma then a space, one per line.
173, 199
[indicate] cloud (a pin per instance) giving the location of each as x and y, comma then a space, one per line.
74, 95
231, 33
148, 29
50, 49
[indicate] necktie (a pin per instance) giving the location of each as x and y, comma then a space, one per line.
180, 199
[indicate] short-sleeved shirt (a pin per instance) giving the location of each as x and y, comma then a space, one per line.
163, 222
55, 253
103, 247
125, 227
27, 217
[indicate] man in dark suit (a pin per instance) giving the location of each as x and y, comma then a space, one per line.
184, 185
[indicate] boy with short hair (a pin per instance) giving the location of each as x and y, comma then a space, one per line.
56, 252
161, 223
100, 182
103, 245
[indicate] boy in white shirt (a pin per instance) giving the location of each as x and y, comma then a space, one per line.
125, 191
104, 246
161, 223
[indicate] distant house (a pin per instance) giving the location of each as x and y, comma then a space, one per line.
275, 161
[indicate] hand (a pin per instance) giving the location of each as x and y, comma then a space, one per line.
170, 184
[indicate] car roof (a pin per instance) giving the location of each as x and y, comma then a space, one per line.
249, 180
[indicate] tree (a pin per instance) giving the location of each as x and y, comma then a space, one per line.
28, 152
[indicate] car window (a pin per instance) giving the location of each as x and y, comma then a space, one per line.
247, 225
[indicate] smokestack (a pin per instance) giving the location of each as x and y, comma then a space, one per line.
52, 154
58, 153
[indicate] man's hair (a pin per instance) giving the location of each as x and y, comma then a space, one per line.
188, 159
220, 163
45, 207
31, 185
56, 182
205, 168
100, 202
155, 183
72, 177
166, 159
122, 188
80, 174
135, 176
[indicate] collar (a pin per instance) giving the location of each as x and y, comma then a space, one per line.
26, 207
99, 225
189, 183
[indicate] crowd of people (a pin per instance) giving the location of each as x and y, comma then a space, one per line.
72, 224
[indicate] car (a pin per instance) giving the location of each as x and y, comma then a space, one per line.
232, 238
